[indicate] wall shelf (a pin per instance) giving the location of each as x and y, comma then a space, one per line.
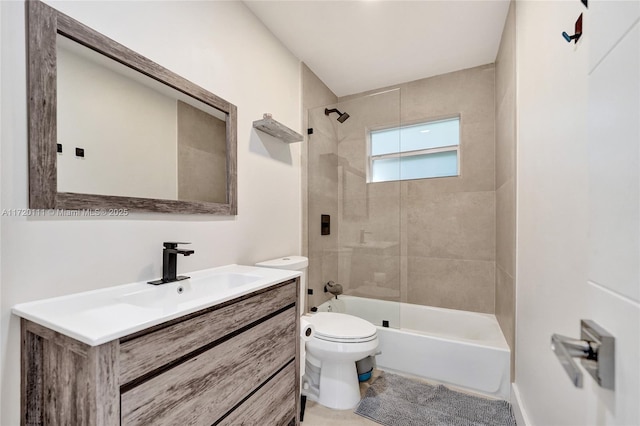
277, 129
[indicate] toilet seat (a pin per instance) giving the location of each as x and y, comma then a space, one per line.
345, 340
342, 328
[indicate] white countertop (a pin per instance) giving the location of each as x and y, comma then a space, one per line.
99, 316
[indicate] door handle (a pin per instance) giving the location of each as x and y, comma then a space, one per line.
595, 349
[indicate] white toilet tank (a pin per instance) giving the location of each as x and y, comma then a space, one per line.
292, 263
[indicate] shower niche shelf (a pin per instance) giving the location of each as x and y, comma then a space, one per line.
277, 129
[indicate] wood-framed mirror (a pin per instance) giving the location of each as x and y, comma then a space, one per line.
111, 129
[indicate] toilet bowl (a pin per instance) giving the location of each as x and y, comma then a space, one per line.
339, 341
328, 361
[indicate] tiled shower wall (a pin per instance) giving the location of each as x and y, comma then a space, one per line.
369, 214
505, 182
445, 227
319, 187
429, 241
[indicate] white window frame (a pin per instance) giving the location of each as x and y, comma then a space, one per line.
448, 148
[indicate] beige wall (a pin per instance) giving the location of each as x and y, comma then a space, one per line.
505, 182
369, 264
319, 186
445, 227
202, 155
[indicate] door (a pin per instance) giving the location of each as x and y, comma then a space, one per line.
613, 135
578, 196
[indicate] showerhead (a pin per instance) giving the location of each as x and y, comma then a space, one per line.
342, 116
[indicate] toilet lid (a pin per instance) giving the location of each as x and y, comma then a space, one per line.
338, 327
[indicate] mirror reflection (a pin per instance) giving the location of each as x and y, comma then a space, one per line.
123, 133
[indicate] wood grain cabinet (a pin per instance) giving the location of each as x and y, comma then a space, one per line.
235, 363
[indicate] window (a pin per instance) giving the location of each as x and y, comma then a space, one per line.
419, 151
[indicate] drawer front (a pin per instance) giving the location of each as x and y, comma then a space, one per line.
202, 389
274, 404
148, 352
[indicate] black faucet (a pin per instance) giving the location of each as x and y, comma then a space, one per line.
170, 263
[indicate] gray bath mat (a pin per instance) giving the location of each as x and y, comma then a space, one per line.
393, 400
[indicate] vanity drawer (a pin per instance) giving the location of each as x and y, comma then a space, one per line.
203, 388
274, 404
142, 354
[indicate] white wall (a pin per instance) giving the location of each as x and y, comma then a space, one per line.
128, 130
566, 171
220, 46
551, 205
1, 117
613, 136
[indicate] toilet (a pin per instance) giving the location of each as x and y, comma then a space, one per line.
328, 363
339, 341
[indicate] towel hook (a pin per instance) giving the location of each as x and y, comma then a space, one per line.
577, 31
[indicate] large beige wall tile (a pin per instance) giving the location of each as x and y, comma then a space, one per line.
351, 151
457, 284
374, 275
477, 164
506, 59
366, 114
329, 267
202, 168
370, 112
452, 226
477, 155
506, 139
506, 227
321, 269
314, 94
319, 205
505, 311
505, 182
314, 278
201, 175
389, 190
477, 94
469, 91
323, 176
384, 219
353, 182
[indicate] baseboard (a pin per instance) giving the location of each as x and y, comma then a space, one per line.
522, 419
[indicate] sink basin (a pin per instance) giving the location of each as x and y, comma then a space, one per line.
99, 316
180, 294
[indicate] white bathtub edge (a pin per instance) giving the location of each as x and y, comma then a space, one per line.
522, 418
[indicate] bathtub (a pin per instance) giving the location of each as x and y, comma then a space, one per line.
460, 348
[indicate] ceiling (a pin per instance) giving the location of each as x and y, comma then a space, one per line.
355, 46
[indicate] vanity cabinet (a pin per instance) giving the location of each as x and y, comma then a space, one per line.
235, 363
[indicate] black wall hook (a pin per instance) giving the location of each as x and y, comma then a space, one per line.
572, 37
577, 30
